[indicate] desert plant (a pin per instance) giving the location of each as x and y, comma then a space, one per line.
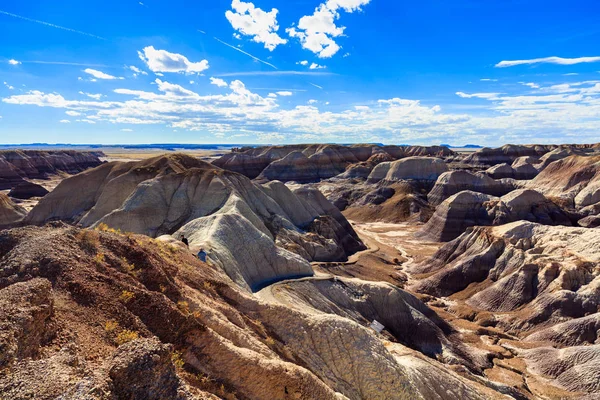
126, 336
177, 359
126, 296
99, 258
183, 306
88, 240
111, 326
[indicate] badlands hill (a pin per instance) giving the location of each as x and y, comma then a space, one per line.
18, 165
310, 163
482, 267
255, 233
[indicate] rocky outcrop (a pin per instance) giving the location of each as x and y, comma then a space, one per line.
10, 213
18, 165
452, 182
425, 169
575, 369
506, 154
573, 179
500, 171
524, 167
142, 369
469, 208
26, 190
138, 318
548, 273
256, 234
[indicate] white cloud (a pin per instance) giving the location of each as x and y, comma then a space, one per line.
312, 101
548, 60
304, 62
14, 62
346, 55
284, 93
192, 82
488, 80
65, 121
530, 84
97, 96
237, 36
126, 130
137, 71
9, 87
218, 82
317, 31
272, 95
486, 96
251, 21
87, 121
72, 113
164, 61
99, 74
316, 66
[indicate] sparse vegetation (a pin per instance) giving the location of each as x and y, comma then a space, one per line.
183, 306
99, 258
177, 359
111, 326
126, 336
88, 239
126, 296
208, 285
102, 227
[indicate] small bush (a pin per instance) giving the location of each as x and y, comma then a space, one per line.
126, 336
99, 258
88, 240
110, 326
270, 341
183, 306
177, 359
208, 285
126, 296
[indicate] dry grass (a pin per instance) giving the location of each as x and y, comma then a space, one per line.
177, 359
126, 296
126, 336
89, 240
111, 326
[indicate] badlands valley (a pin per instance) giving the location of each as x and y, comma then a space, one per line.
482, 267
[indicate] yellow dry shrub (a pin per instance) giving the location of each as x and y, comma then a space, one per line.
126, 336
126, 296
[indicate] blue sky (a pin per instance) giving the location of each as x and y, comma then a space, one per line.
269, 71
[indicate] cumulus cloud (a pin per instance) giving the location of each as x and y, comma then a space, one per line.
304, 62
548, 60
99, 74
14, 62
164, 61
251, 21
72, 113
284, 93
316, 32
316, 66
65, 121
218, 82
9, 87
570, 109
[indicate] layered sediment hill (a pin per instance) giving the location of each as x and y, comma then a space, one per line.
311, 163
452, 182
10, 213
467, 208
256, 234
426, 169
18, 165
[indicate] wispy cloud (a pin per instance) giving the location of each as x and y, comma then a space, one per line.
548, 60
243, 52
317, 86
68, 63
267, 73
99, 74
51, 25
